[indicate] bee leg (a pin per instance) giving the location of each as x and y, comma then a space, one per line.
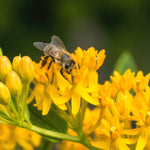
44, 61
61, 71
50, 63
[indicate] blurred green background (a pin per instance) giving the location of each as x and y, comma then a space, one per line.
110, 24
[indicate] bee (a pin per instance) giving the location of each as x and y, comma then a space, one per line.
57, 51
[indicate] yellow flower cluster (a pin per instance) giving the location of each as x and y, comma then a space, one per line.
11, 137
124, 114
121, 117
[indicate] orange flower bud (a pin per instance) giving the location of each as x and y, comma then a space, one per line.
4, 94
5, 67
13, 82
15, 63
26, 69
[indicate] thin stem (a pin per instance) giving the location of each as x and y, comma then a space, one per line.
9, 114
85, 141
24, 99
13, 108
18, 104
66, 117
5, 121
52, 133
83, 109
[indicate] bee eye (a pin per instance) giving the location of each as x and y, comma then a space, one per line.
67, 65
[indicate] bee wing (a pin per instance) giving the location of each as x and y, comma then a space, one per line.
57, 42
40, 45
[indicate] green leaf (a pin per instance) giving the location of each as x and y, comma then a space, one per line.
124, 62
52, 121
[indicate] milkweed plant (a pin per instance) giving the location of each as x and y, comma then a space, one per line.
40, 107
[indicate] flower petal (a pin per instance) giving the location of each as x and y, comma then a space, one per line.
143, 139
46, 106
86, 96
75, 102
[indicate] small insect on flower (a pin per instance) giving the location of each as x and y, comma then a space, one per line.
57, 51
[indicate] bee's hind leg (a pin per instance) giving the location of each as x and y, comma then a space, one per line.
44, 61
50, 63
61, 71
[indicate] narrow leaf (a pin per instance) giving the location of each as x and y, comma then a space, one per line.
124, 62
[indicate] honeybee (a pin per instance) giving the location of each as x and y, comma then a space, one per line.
57, 51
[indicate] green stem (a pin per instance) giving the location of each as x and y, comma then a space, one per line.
66, 117
85, 141
13, 108
5, 121
18, 105
52, 133
24, 99
83, 109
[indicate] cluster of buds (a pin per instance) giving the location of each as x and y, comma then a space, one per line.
13, 76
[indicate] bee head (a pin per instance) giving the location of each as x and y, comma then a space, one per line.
69, 66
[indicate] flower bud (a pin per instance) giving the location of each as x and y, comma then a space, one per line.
15, 63
26, 69
4, 94
5, 67
13, 82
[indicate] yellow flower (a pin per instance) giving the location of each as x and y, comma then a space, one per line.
90, 119
106, 93
5, 67
13, 82
5, 96
44, 91
93, 60
90, 58
124, 103
80, 90
15, 63
123, 82
26, 69
108, 135
140, 82
142, 116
